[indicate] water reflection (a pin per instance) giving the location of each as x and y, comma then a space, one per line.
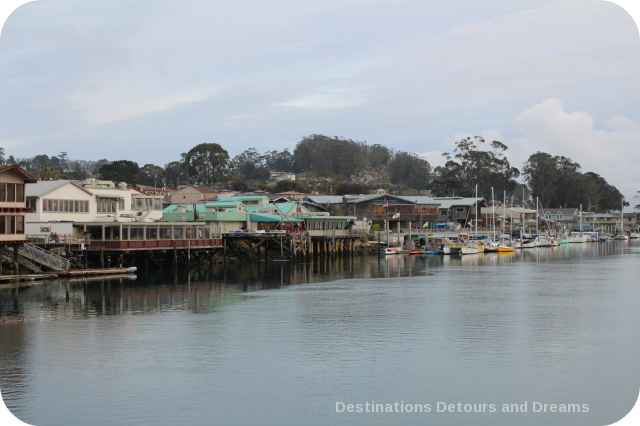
205, 289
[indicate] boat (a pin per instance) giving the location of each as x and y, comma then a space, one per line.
469, 248
526, 243
622, 237
634, 235
428, 253
491, 246
393, 250
413, 252
505, 249
577, 238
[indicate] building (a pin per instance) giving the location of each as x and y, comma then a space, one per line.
56, 205
278, 176
193, 194
13, 204
404, 211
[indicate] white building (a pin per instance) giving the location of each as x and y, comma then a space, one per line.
58, 204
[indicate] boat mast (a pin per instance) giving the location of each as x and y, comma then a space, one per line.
493, 217
537, 216
523, 222
621, 216
476, 209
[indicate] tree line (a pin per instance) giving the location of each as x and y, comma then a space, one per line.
343, 166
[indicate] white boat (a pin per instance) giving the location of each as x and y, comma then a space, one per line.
634, 235
491, 246
577, 238
470, 248
393, 250
525, 244
622, 237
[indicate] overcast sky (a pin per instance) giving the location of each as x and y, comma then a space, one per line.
148, 80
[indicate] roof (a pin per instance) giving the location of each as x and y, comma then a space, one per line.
446, 203
243, 198
205, 189
42, 187
420, 199
269, 217
17, 169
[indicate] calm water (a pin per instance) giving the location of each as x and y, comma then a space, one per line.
282, 343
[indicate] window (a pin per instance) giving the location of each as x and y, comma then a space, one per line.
20, 192
3, 224
136, 234
3, 191
11, 192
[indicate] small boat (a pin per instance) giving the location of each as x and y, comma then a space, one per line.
634, 235
428, 253
505, 249
491, 246
471, 248
526, 244
623, 237
413, 252
393, 250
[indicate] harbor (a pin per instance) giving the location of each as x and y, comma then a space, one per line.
443, 327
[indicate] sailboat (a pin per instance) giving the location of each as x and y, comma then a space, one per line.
578, 238
621, 235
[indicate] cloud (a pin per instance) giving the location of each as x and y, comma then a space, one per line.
612, 152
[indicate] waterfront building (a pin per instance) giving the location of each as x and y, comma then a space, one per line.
56, 205
461, 210
629, 220
395, 210
13, 206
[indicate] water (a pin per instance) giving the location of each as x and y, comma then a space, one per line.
284, 343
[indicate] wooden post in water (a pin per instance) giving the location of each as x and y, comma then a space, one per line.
16, 265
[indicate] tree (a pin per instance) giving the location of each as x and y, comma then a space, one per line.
473, 166
151, 175
410, 170
245, 163
323, 153
350, 188
540, 173
239, 185
280, 161
48, 173
207, 163
175, 174
286, 186
120, 171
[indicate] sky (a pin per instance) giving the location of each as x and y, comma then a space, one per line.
147, 80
